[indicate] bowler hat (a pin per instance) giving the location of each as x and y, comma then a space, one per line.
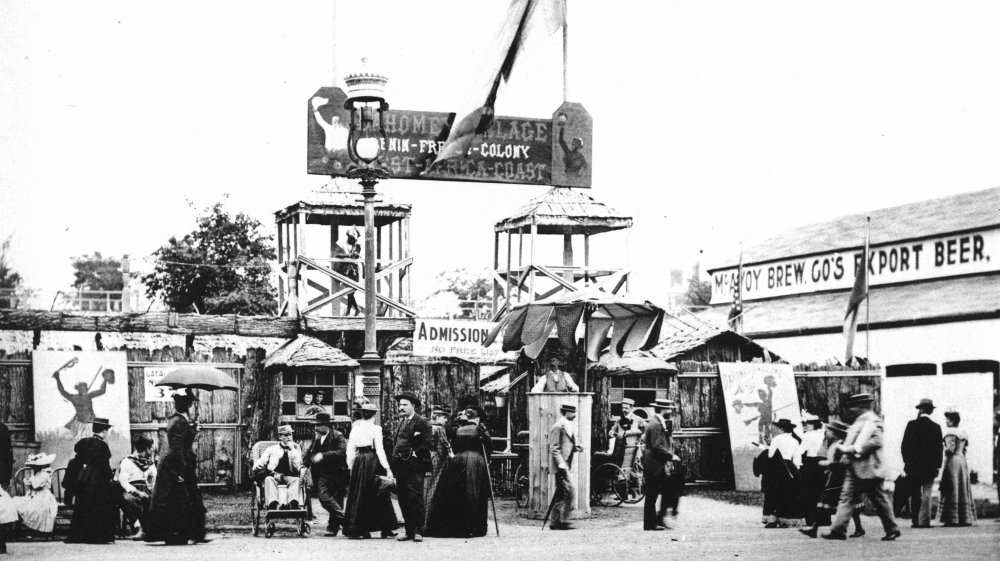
858, 399
784, 424
102, 423
567, 408
926, 403
408, 396
322, 418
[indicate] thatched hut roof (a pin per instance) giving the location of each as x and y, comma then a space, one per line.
343, 199
308, 351
563, 210
679, 338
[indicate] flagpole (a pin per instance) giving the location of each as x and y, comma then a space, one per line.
333, 42
868, 296
565, 34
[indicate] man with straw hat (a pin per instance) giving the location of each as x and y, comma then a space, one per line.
282, 462
562, 447
657, 467
866, 469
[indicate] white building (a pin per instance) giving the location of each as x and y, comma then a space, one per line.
933, 314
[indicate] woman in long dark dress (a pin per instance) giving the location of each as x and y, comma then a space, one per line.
781, 480
461, 502
176, 511
95, 503
369, 506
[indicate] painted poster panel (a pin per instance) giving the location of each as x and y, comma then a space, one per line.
73, 387
457, 338
756, 395
947, 255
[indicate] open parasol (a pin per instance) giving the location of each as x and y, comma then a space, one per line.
199, 377
628, 323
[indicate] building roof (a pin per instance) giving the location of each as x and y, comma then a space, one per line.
955, 213
308, 351
679, 337
563, 210
926, 302
632, 362
343, 199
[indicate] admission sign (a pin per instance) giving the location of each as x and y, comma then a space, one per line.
456, 338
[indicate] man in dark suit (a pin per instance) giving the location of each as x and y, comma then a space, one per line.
657, 461
410, 462
6, 456
327, 458
922, 451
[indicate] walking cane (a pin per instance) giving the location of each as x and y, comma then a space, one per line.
489, 478
552, 503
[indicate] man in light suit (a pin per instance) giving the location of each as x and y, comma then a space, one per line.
862, 451
563, 446
657, 461
922, 450
327, 458
282, 464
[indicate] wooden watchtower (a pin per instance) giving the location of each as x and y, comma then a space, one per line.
564, 212
315, 282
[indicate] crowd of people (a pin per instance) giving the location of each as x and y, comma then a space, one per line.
817, 475
821, 475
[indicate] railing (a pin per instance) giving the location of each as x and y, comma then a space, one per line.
94, 301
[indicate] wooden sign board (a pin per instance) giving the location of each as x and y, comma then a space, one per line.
512, 150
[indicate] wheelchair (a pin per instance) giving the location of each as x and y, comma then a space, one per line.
616, 478
261, 517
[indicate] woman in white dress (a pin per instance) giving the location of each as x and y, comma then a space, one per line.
38, 508
369, 506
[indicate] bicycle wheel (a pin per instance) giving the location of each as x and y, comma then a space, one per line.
634, 491
608, 485
520, 487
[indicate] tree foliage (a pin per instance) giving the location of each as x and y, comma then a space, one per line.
699, 292
457, 292
13, 293
222, 267
96, 272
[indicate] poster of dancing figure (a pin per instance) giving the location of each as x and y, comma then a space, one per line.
756, 395
71, 388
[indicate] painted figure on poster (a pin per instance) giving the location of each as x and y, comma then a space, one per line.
765, 410
335, 134
575, 161
83, 399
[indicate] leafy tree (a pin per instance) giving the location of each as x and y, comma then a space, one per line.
222, 267
467, 287
13, 293
96, 272
699, 293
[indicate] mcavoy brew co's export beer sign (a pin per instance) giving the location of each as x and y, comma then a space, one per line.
942, 256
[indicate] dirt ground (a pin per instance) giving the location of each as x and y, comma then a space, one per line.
706, 529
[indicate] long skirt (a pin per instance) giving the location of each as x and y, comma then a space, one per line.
957, 507
781, 484
813, 484
95, 507
431, 481
38, 510
176, 510
368, 508
461, 503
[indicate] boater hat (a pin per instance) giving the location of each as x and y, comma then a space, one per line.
663, 404
837, 427
368, 407
628, 401
101, 423
566, 407
808, 417
285, 429
784, 424
858, 399
926, 404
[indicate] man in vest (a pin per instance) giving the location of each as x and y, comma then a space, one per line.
563, 446
554, 380
411, 460
283, 463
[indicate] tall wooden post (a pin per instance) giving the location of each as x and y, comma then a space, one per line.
568, 258
531, 266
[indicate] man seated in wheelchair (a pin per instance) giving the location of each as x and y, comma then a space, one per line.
281, 464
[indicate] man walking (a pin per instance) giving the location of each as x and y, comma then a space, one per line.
563, 446
866, 471
410, 462
327, 460
922, 451
657, 460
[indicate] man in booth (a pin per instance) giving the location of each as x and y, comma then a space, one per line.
554, 379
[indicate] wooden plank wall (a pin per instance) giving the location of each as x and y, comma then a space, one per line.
700, 430
445, 382
225, 435
544, 409
820, 392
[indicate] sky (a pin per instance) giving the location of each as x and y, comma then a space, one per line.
715, 123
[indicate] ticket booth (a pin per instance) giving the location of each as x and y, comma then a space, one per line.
543, 412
